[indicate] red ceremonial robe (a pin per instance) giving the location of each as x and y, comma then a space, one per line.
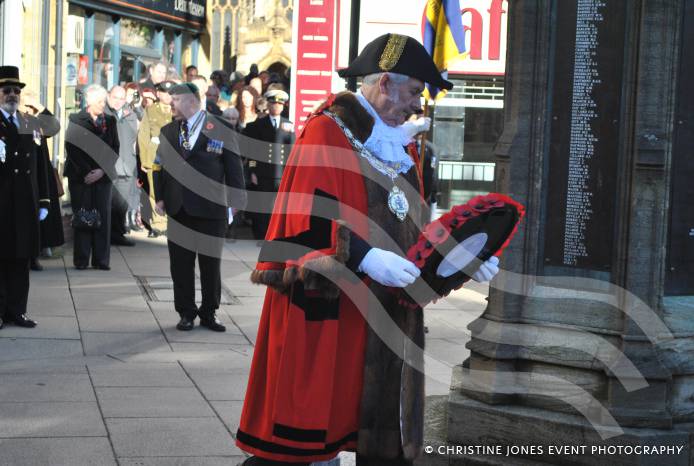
303, 397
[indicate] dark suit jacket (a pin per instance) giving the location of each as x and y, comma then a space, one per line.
267, 150
23, 187
86, 149
206, 182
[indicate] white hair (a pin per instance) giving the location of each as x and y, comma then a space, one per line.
94, 93
229, 111
372, 79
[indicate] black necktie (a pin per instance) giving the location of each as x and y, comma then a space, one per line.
13, 126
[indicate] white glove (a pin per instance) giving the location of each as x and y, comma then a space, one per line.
487, 270
420, 125
388, 269
43, 213
230, 216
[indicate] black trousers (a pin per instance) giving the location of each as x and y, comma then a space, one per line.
119, 204
190, 237
96, 244
14, 287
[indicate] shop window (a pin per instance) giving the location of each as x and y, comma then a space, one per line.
136, 34
102, 64
467, 123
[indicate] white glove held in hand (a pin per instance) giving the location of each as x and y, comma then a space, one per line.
43, 213
487, 270
420, 125
388, 269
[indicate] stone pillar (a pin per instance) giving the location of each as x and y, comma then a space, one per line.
579, 344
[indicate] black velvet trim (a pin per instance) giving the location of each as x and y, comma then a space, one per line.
271, 447
358, 248
316, 308
299, 435
325, 209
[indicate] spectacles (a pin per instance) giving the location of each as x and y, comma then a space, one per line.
9, 90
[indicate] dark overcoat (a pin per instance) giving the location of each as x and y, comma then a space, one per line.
23, 188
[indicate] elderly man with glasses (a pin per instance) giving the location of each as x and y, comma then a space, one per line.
24, 199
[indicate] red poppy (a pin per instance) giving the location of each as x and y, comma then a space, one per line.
209, 126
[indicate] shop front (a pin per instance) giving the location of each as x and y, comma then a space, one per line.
111, 42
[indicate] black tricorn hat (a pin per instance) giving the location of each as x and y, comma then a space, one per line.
400, 54
9, 75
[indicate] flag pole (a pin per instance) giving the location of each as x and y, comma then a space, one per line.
423, 139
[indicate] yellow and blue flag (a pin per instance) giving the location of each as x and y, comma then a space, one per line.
444, 37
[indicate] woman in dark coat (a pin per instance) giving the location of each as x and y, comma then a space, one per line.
52, 226
91, 148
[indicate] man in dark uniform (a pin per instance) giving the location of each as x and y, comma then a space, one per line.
24, 199
197, 176
268, 143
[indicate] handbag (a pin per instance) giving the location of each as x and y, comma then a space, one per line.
87, 217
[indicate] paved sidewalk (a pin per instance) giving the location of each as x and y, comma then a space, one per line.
106, 379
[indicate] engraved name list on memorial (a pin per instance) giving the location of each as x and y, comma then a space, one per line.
582, 140
584, 134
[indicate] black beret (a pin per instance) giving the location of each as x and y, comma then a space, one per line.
400, 54
185, 88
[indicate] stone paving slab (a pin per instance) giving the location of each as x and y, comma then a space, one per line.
12, 349
221, 387
52, 327
45, 387
109, 301
117, 322
183, 461
76, 451
210, 347
171, 437
100, 343
139, 375
51, 419
229, 412
124, 402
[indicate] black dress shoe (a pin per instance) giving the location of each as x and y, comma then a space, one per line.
102, 267
185, 324
213, 324
24, 321
81, 267
36, 265
121, 241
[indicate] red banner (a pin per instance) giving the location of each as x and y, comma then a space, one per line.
312, 63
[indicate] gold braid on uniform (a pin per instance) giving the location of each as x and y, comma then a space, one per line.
392, 52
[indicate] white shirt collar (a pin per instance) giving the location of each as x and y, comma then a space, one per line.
193, 119
387, 142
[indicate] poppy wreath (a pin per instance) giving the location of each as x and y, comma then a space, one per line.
495, 214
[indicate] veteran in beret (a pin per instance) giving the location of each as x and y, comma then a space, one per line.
198, 179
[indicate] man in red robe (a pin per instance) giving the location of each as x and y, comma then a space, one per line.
338, 362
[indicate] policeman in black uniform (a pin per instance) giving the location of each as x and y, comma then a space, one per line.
197, 176
24, 199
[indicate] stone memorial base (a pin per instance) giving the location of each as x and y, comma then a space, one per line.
462, 421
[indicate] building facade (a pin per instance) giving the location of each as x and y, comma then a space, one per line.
243, 32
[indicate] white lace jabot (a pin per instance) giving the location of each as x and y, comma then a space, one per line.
387, 142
